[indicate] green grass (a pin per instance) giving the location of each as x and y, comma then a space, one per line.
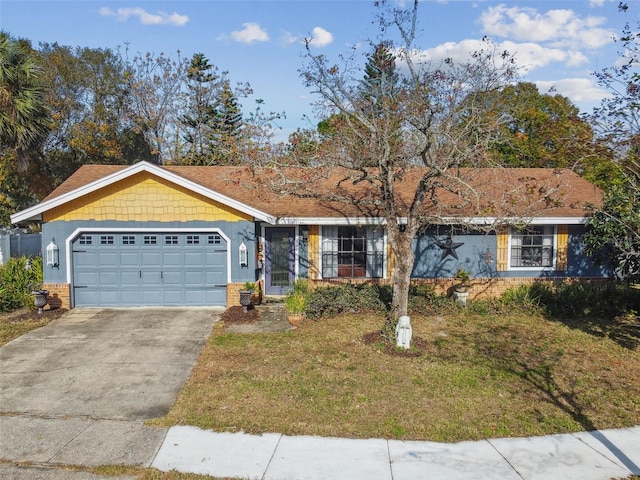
469, 377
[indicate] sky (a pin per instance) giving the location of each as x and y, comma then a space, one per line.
557, 44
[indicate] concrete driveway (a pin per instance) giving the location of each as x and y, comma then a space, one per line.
119, 364
78, 390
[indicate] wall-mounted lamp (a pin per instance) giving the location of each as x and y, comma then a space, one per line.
242, 255
305, 234
53, 254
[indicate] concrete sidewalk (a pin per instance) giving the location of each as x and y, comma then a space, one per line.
600, 455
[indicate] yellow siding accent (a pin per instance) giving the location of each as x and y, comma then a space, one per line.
314, 252
502, 251
144, 198
563, 245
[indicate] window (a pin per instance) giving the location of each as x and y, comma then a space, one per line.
532, 247
150, 240
193, 239
214, 239
352, 252
86, 240
171, 240
128, 240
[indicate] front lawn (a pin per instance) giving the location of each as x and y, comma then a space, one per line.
471, 377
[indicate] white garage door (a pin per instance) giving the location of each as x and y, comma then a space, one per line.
136, 269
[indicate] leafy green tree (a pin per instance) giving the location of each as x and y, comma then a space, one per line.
24, 116
542, 131
227, 128
213, 120
615, 235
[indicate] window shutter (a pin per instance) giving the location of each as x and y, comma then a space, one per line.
563, 245
329, 252
375, 246
502, 250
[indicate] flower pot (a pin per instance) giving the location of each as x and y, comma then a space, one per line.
461, 297
40, 299
245, 299
295, 319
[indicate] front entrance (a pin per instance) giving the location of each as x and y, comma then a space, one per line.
279, 260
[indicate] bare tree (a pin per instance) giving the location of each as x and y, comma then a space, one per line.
156, 85
420, 126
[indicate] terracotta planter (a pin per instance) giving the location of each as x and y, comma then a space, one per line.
295, 319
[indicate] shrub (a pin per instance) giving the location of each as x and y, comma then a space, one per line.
17, 282
424, 300
575, 299
345, 298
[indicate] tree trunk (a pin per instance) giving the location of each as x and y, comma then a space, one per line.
401, 245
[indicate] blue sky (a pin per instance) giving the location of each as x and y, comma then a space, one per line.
557, 43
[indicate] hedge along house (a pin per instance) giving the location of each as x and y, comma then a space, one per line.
145, 235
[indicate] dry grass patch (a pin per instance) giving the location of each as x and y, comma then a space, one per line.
472, 377
15, 324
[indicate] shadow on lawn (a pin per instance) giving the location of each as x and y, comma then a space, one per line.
623, 329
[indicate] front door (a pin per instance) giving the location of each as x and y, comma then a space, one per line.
279, 260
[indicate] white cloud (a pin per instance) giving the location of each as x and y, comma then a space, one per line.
288, 38
559, 28
320, 37
578, 90
596, 3
146, 18
529, 56
252, 32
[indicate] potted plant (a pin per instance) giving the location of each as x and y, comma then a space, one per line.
460, 289
295, 303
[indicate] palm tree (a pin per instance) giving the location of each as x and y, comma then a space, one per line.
24, 116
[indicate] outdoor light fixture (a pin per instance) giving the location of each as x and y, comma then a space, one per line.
242, 254
305, 234
53, 257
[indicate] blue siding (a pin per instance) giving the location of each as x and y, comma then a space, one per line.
480, 247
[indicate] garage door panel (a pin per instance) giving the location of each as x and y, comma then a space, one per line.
132, 271
130, 259
152, 297
130, 278
131, 297
215, 259
86, 278
151, 277
108, 279
174, 297
193, 278
151, 258
107, 259
172, 259
173, 277
194, 258
85, 258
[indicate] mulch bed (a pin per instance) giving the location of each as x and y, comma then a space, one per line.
26, 315
236, 315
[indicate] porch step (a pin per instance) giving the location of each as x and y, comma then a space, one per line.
273, 299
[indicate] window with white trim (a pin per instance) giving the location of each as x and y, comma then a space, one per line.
352, 252
532, 247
